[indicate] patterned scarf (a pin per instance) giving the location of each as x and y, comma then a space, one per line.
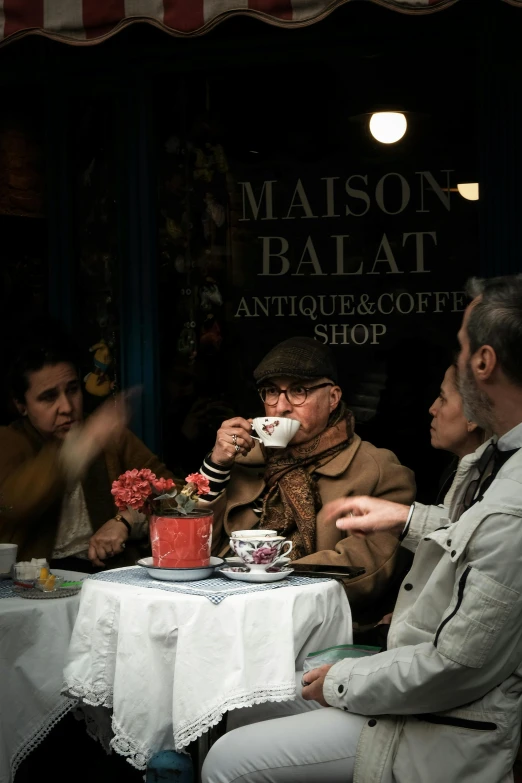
292, 501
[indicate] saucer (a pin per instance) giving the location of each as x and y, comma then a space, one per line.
236, 561
33, 592
180, 574
242, 575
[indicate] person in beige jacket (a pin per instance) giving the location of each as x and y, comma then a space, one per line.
285, 489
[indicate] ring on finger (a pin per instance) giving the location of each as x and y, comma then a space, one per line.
234, 439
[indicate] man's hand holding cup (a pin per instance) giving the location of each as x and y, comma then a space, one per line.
233, 438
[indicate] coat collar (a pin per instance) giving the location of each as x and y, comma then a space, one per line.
463, 528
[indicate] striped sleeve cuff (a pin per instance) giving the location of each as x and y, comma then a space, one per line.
218, 478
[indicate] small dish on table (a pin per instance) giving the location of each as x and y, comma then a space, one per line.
193, 574
66, 591
243, 574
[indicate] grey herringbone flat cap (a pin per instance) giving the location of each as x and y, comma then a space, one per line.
298, 357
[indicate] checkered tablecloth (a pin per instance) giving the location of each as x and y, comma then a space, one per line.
6, 589
216, 589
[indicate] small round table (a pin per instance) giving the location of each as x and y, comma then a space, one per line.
169, 664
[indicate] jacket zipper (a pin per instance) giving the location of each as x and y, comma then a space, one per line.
463, 723
462, 584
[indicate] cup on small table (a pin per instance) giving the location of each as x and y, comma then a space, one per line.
7, 558
25, 574
257, 551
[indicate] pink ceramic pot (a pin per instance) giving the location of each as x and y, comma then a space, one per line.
181, 541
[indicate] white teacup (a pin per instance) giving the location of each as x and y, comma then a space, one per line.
262, 552
275, 431
7, 557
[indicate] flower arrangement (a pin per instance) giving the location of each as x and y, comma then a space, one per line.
141, 490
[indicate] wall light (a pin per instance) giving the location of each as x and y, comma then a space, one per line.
388, 126
469, 190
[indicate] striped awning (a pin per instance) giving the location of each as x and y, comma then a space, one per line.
91, 21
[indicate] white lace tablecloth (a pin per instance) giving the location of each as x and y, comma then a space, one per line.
34, 638
169, 665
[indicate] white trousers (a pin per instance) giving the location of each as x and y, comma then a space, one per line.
285, 742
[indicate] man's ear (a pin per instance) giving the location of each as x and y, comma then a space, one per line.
484, 362
472, 426
335, 397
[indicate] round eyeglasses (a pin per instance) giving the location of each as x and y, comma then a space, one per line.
296, 393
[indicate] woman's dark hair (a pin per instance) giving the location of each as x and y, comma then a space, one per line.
45, 344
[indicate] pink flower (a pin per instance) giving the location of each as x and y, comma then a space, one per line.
264, 555
133, 489
199, 482
163, 485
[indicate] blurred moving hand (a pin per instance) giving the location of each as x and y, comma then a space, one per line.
362, 515
101, 429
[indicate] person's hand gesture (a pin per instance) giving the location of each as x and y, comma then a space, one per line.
363, 515
313, 683
232, 438
106, 425
102, 428
109, 540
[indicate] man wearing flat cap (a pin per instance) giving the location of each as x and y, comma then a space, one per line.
252, 486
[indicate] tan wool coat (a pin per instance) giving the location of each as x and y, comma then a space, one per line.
33, 482
361, 469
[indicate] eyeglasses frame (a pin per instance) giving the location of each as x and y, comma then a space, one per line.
284, 391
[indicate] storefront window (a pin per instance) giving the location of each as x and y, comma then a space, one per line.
96, 284
281, 215
23, 223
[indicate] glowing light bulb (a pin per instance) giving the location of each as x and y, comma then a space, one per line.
388, 126
469, 190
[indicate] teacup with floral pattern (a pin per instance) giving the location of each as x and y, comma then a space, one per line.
275, 432
260, 553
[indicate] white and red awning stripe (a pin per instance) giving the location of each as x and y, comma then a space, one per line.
89, 21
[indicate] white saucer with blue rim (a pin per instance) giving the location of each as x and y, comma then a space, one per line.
242, 574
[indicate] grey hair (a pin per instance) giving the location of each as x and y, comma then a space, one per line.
496, 320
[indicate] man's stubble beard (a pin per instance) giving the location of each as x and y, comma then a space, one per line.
476, 404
